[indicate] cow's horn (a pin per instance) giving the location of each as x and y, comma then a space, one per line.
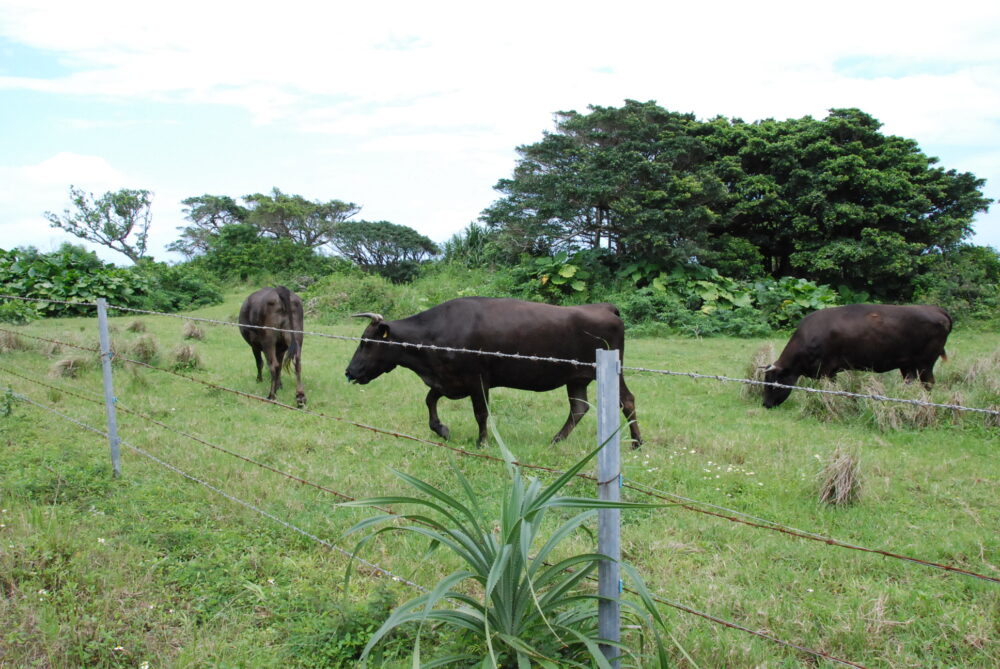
769, 368
376, 318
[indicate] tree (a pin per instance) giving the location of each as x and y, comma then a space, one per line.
109, 220
392, 250
208, 214
295, 218
635, 179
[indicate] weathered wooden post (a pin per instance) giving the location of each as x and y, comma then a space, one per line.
109, 392
609, 488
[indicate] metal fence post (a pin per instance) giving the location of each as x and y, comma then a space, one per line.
609, 488
109, 392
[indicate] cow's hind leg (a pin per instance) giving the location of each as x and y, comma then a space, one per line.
432, 411
260, 362
300, 391
577, 392
274, 366
627, 400
926, 375
481, 409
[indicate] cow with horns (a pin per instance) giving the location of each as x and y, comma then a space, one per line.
266, 319
484, 324
869, 337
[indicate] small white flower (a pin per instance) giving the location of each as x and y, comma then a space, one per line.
144, 665
119, 648
43, 592
809, 589
100, 540
271, 581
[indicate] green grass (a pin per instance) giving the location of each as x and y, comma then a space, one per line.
101, 572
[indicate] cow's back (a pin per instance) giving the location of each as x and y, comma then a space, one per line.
876, 337
517, 327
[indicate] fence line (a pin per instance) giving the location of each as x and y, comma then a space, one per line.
233, 498
564, 361
386, 572
734, 516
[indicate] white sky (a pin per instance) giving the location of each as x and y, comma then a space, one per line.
413, 109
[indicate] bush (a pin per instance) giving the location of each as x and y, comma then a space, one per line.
71, 274
177, 287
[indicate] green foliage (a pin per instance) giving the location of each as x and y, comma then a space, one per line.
832, 200
965, 281
473, 247
295, 219
71, 274
238, 252
393, 251
17, 312
109, 220
208, 214
177, 287
525, 611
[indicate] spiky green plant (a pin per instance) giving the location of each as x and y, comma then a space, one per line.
520, 610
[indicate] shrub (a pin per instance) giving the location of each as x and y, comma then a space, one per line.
71, 274
186, 357
136, 326
72, 367
10, 341
17, 312
520, 610
177, 287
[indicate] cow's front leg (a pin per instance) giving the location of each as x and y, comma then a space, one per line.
481, 409
432, 411
578, 406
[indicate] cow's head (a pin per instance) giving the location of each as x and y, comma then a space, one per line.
373, 358
774, 396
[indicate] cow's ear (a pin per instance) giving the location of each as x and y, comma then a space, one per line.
382, 331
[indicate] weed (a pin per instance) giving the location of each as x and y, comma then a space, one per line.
186, 357
71, 367
840, 480
144, 349
136, 326
192, 331
10, 341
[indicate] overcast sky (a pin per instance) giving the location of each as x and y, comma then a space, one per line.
412, 110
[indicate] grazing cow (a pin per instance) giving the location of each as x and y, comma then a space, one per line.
870, 337
500, 325
277, 308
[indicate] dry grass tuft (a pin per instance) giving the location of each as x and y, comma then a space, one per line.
70, 368
144, 349
763, 357
186, 357
840, 480
831, 407
10, 341
192, 331
899, 415
136, 326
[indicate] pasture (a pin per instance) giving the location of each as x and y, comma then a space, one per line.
154, 568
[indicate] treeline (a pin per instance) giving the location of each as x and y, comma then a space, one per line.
689, 225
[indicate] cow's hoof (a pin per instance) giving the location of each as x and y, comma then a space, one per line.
300, 401
442, 431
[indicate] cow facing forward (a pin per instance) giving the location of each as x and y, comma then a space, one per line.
499, 325
272, 310
869, 337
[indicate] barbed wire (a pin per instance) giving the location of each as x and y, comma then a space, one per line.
724, 513
48, 300
382, 570
806, 389
567, 361
223, 493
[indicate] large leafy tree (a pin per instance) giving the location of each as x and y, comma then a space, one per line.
635, 179
208, 215
306, 222
839, 202
118, 220
391, 250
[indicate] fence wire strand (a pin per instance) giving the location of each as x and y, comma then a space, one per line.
223, 493
382, 570
688, 504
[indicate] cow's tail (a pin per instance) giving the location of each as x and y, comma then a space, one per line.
285, 296
944, 356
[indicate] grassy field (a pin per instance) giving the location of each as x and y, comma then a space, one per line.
155, 570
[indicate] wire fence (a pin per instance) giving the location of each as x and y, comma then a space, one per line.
639, 488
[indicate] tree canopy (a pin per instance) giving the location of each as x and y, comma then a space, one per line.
831, 200
382, 247
118, 220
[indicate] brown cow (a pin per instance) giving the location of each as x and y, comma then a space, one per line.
870, 337
500, 325
281, 309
